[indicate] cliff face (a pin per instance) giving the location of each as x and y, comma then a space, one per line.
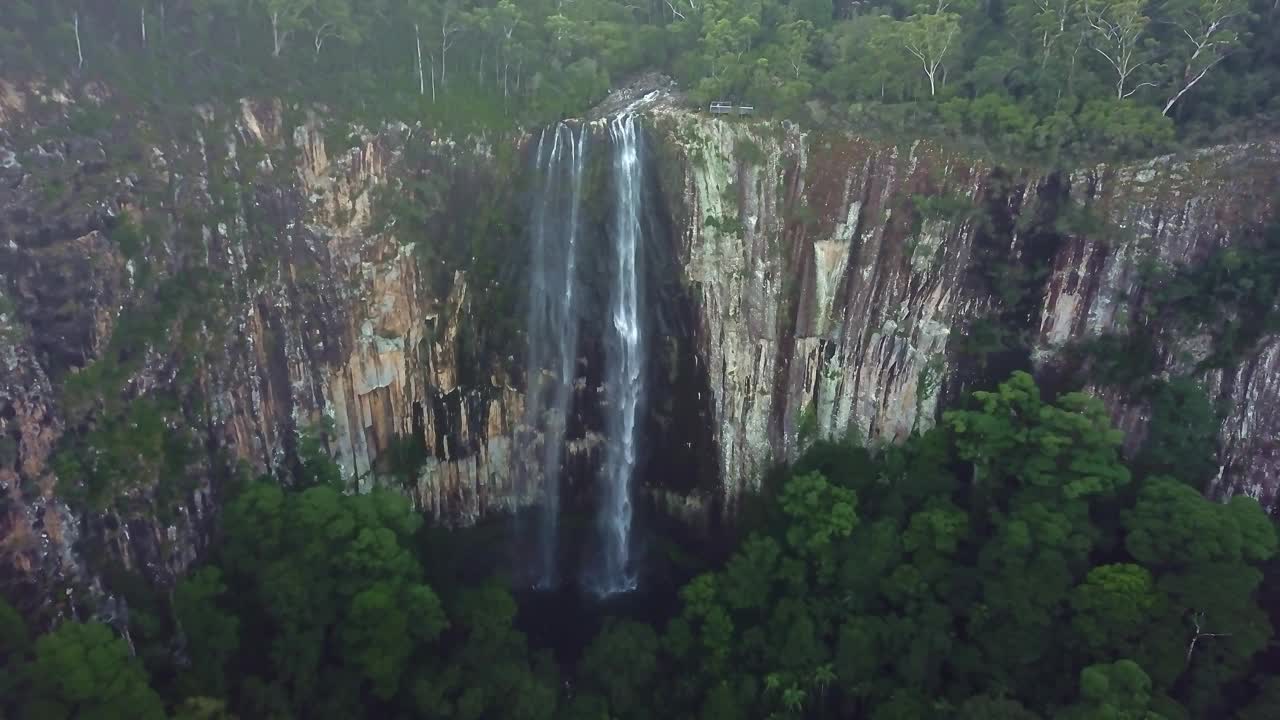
250, 272
851, 280
288, 285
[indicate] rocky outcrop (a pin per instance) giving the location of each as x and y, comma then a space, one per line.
37, 530
284, 280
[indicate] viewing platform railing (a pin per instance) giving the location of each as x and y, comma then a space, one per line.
727, 108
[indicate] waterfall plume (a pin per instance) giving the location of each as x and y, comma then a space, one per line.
624, 378
553, 321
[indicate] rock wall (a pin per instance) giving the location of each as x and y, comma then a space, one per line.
327, 314
366, 287
843, 278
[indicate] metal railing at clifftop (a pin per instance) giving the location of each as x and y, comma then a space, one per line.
727, 108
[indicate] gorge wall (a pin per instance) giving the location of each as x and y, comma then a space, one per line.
849, 279
283, 286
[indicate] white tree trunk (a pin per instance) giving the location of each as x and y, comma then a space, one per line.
326, 30
433, 78
422, 83
1186, 88
142, 15
275, 34
75, 25
444, 50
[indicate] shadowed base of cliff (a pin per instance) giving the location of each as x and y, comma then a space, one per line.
565, 617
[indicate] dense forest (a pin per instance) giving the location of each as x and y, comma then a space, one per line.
1005, 564
1046, 80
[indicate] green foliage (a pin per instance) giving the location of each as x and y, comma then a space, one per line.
212, 633
748, 152
491, 674
1119, 690
807, 427
1232, 295
1182, 436
1058, 81
1001, 565
15, 641
143, 450
621, 665
1123, 127
1231, 298
340, 583
820, 513
1046, 568
131, 239
317, 466
1068, 448
202, 708
1112, 607
1171, 526
85, 671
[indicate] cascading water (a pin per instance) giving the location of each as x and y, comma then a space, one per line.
624, 376
553, 320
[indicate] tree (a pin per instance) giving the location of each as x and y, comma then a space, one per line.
333, 19
85, 671
419, 13
13, 633
75, 26
816, 12
1118, 31
870, 61
383, 626
986, 707
819, 513
1112, 608
1120, 690
212, 634
203, 708
1048, 22
1182, 437
621, 664
449, 19
796, 38
490, 674
339, 588
1211, 31
929, 38
1068, 451
1174, 526
286, 16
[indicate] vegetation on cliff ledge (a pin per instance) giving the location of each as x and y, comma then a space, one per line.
1004, 564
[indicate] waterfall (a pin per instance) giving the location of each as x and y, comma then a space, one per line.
553, 320
555, 228
624, 378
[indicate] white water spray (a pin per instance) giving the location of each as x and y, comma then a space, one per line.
624, 372
553, 321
